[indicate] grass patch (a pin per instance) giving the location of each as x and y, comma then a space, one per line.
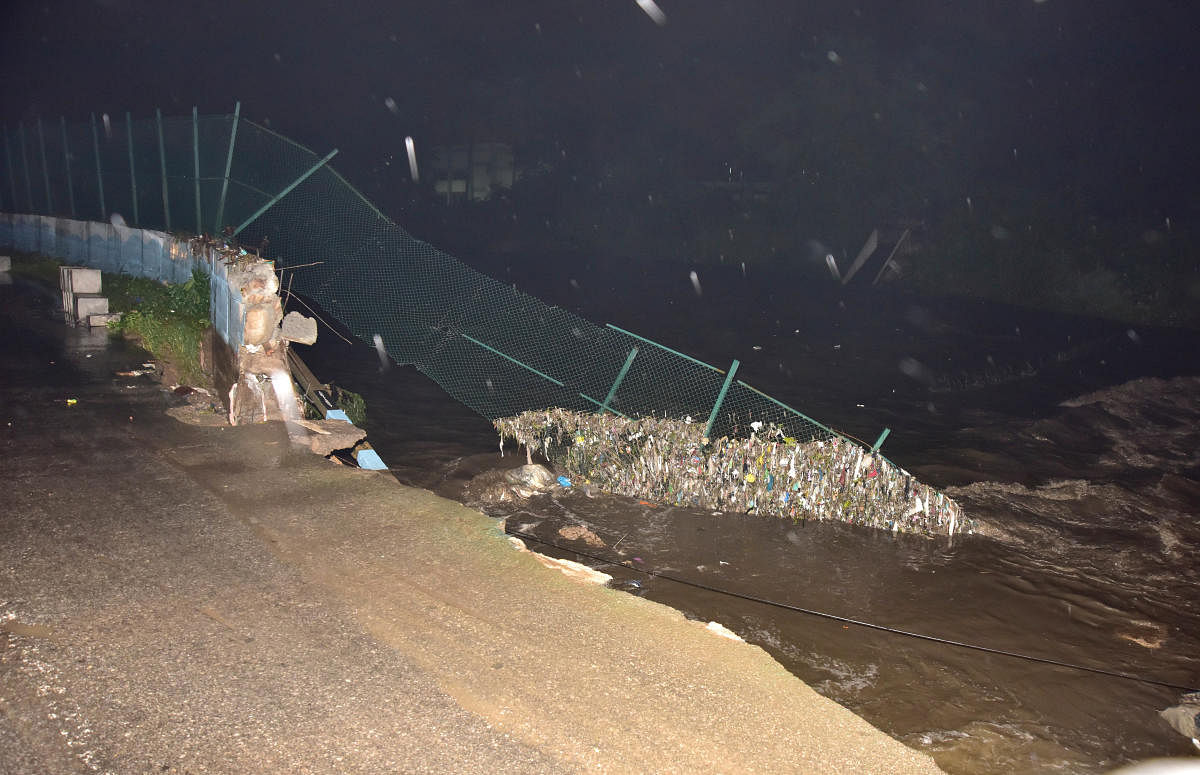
169, 320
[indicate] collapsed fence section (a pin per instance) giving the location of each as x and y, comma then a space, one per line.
491, 346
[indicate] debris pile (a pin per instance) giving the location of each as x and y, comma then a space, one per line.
670, 461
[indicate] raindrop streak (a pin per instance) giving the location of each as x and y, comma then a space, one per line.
383, 356
653, 11
831, 262
107, 126
391, 105
695, 278
412, 158
116, 219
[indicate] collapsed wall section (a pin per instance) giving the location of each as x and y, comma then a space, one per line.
245, 347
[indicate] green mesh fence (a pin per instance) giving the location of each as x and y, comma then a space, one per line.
631, 414
490, 346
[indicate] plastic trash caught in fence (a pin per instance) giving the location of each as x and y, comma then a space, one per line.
767, 472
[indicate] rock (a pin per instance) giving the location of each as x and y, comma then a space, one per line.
256, 281
580, 533
263, 362
261, 322
328, 436
534, 477
1184, 718
258, 286
252, 400
297, 328
247, 402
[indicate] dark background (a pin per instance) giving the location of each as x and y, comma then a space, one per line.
1032, 148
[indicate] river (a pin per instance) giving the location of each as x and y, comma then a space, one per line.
1074, 442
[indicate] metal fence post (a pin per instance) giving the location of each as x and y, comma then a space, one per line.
612, 391
879, 441
286, 191
99, 169
712, 417
162, 160
45, 169
25, 166
67, 164
196, 165
218, 227
132, 169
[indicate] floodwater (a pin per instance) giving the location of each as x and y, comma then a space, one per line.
1074, 442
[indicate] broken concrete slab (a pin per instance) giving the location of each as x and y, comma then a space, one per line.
101, 319
298, 328
328, 436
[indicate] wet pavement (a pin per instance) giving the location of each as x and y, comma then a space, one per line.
1071, 439
167, 606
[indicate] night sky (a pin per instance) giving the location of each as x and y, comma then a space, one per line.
896, 108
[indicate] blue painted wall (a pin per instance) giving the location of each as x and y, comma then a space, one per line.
138, 252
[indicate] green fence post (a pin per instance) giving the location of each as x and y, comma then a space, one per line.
12, 173
99, 169
237, 112
45, 169
137, 221
25, 166
612, 391
67, 164
196, 165
162, 161
712, 417
879, 441
285, 191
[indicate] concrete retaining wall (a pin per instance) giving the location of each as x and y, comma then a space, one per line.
138, 252
246, 357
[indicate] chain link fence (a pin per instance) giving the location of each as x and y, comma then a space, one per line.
537, 371
490, 346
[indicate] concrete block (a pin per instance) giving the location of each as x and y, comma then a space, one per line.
99, 320
5, 263
261, 322
90, 304
64, 282
297, 328
82, 279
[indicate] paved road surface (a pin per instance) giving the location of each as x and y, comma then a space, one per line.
185, 599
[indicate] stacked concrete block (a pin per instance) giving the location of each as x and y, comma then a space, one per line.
81, 296
85, 304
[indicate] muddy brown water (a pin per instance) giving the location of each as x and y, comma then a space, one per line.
1073, 441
